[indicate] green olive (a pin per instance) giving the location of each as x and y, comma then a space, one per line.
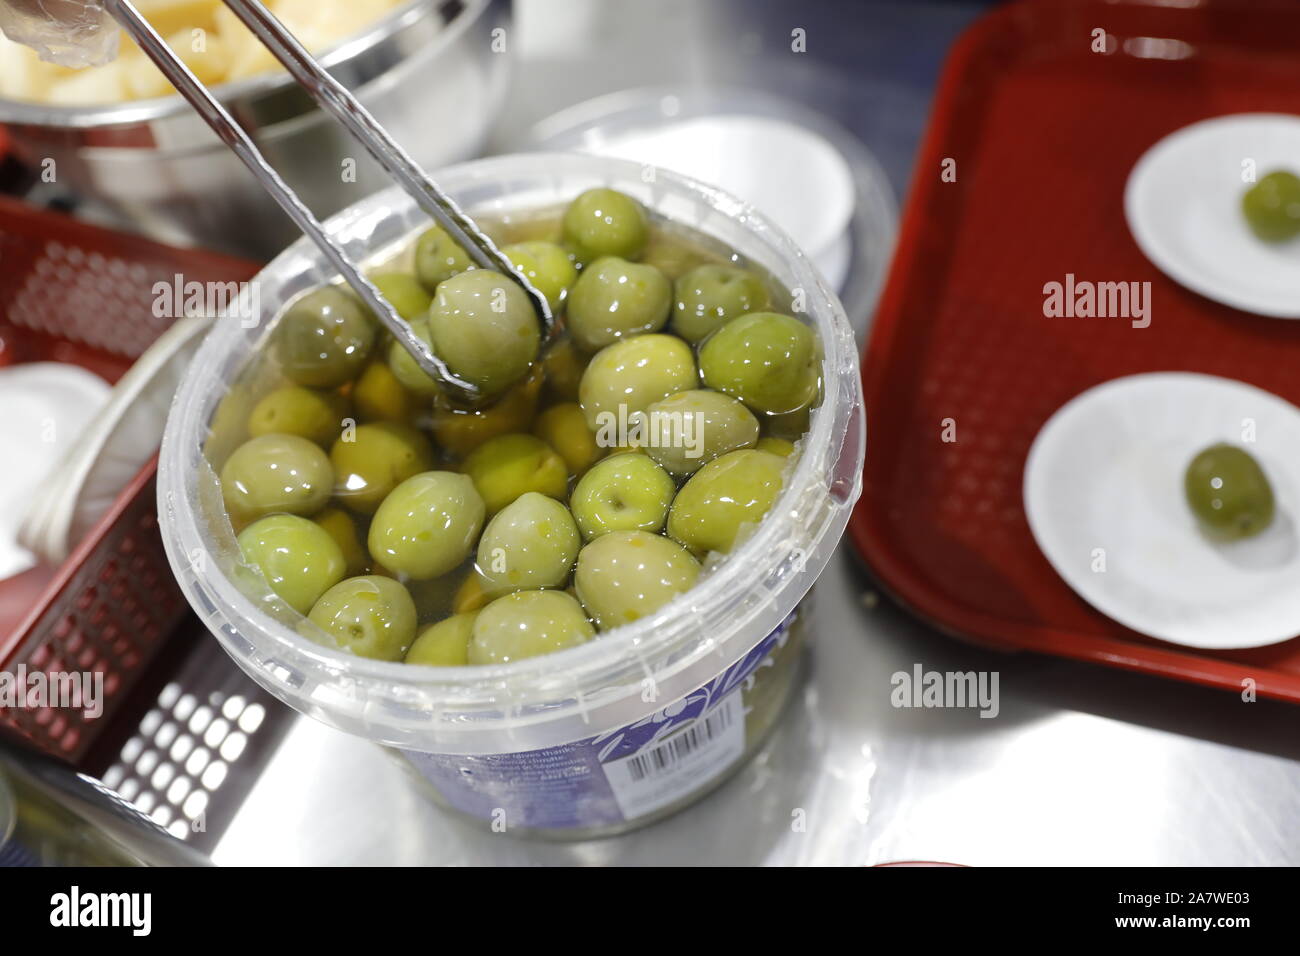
777, 446
484, 328
342, 527
508, 466
530, 543
724, 496
564, 428
324, 339
528, 624
546, 266
296, 410
379, 396
564, 365
767, 360
297, 557
403, 365
710, 295
460, 430
438, 258
403, 292
629, 376
372, 460
371, 616
427, 525
625, 575
605, 222
445, 644
1229, 493
615, 299
688, 430
276, 473
1272, 207
624, 492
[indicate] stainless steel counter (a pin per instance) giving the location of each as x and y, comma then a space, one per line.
1082, 765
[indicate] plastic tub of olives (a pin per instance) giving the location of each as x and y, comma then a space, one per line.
634, 721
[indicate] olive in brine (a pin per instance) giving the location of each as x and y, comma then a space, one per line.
605, 222
324, 339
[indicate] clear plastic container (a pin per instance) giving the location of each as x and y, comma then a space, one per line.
601, 737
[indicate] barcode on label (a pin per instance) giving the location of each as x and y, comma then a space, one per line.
666, 755
680, 763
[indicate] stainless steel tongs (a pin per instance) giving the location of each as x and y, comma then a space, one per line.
336, 100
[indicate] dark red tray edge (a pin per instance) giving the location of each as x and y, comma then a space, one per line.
866, 534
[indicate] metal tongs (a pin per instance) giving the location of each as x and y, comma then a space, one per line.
331, 96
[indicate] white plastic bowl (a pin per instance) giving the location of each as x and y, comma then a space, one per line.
481, 729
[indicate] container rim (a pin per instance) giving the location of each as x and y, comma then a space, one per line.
239, 93
810, 508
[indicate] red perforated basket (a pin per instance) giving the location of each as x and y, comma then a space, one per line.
1043, 132
71, 292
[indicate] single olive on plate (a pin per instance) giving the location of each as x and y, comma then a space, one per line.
767, 360
605, 222
1228, 493
444, 644
725, 495
427, 525
625, 575
485, 330
615, 299
298, 558
709, 296
528, 624
324, 339
624, 492
276, 473
1272, 206
372, 616
438, 258
530, 543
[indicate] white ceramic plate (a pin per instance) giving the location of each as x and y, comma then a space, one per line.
1104, 480
1183, 204
114, 446
47, 407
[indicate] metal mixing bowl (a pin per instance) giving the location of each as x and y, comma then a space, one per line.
429, 72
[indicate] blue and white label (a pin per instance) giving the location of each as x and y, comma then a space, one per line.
615, 777
688, 759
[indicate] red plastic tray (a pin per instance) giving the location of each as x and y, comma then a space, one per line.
1044, 132
72, 292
